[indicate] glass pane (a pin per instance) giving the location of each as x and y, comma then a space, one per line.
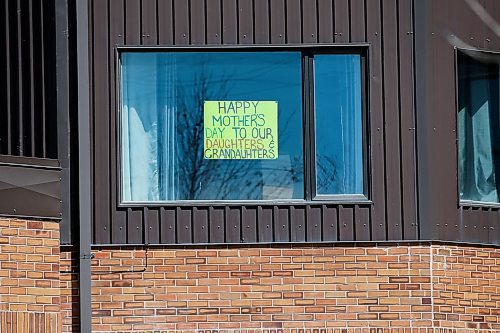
339, 124
163, 133
478, 127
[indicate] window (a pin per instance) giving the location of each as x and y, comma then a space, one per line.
478, 125
338, 125
241, 125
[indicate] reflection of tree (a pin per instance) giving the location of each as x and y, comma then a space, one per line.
200, 178
327, 175
189, 132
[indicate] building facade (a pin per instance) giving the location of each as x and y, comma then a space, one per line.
284, 165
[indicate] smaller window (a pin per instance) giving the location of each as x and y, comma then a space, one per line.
338, 125
478, 125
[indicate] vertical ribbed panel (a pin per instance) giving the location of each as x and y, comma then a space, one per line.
28, 119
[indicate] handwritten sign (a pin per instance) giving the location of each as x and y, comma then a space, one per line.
240, 130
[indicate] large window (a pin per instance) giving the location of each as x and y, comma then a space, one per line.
241, 125
478, 126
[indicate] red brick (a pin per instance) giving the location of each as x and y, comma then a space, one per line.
283, 287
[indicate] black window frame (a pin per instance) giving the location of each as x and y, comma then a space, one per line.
308, 130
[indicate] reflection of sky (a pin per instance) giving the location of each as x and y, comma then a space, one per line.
338, 113
162, 82
255, 76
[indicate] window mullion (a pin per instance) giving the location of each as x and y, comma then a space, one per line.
309, 142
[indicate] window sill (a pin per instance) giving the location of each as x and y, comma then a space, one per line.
29, 162
204, 203
478, 204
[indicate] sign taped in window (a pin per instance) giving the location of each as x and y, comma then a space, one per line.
236, 130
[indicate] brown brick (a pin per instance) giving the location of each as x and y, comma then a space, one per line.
339, 308
208, 311
101, 313
250, 281
315, 309
378, 308
9, 232
183, 312
272, 309
399, 279
390, 316
367, 316
272, 324
207, 253
389, 287
43, 284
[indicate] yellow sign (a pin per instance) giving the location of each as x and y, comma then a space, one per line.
240, 130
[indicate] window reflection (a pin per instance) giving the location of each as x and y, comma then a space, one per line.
162, 125
339, 125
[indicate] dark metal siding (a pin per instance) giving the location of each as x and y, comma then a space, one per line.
464, 25
67, 117
30, 174
28, 118
387, 25
30, 187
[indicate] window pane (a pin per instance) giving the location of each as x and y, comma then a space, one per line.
478, 126
339, 125
162, 135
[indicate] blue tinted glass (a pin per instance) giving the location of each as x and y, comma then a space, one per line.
162, 121
339, 125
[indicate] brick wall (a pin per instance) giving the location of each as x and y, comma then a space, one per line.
69, 279
341, 288
466, 287
29, 276
384, 288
